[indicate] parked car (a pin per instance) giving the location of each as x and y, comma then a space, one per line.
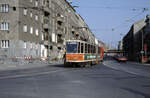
121, 59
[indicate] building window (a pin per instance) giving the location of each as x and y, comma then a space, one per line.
31, 14
53, 37
4, 26
4, 43
25, 11
31, 30
25, 28
36, 3
36, 17
14, 8
4, 8
31, 45
44, 2
42, 37
37, 32
37, 46
25, 45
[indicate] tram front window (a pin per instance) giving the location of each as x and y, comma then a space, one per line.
71, 47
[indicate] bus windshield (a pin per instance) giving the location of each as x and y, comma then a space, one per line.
71, 47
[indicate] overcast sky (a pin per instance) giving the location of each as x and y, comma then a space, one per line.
111, 19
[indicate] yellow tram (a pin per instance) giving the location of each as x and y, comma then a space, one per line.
81, 53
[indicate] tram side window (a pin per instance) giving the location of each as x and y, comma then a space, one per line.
99, 50
71, 47
91, 49
86, 48
79, 47
94, 49
82, 48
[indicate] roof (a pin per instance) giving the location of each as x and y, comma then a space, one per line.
70, 5
137, 26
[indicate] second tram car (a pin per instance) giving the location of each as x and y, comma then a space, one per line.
81, 53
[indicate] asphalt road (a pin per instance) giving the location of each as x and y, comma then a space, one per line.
108, 80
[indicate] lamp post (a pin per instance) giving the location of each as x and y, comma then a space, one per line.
142, 48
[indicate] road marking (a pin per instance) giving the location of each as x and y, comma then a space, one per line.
117, 66
34, 74
111, 66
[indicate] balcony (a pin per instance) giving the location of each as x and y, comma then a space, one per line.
77, 36
45, 26
60, 19
60, 33
46, 11
45, 36
45, 42
45, 3
60, 28
45, 20
60, 41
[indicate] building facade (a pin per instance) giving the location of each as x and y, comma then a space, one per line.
19, 28
136, 41
39, 28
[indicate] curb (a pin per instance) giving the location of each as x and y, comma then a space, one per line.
140, 64
9, 67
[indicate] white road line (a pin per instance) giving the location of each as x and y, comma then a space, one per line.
120, 68
35, 74
111, 66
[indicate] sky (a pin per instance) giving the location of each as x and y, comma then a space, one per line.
110, 20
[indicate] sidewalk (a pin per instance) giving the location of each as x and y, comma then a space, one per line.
137, 65
16, 66
140, 64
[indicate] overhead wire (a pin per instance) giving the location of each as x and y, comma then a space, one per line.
143, 10
123, 23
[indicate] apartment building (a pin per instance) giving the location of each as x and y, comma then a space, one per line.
136, 41
20, 28
39, 28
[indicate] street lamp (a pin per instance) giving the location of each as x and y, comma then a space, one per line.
142, 48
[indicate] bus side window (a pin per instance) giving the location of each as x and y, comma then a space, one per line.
79, 47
